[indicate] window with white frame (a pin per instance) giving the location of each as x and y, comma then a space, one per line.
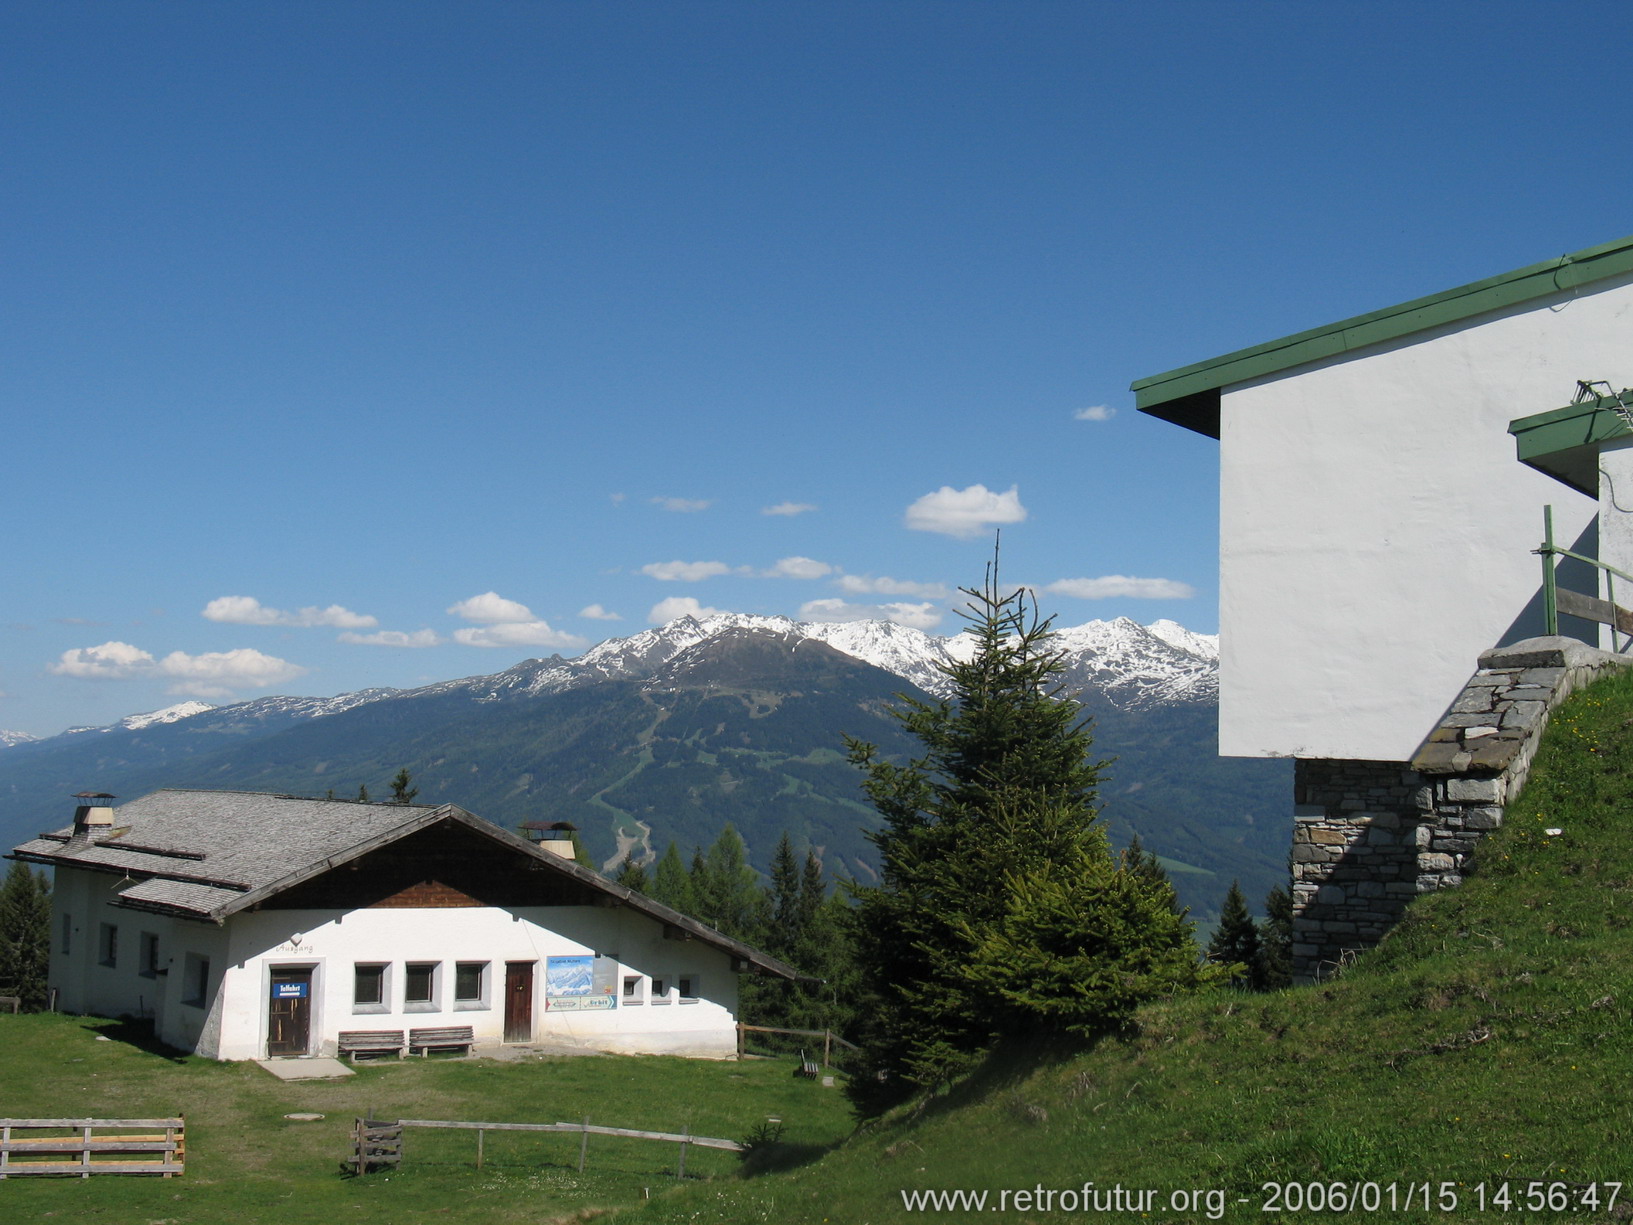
660, 990
369, 987
471, 985
420, 986
195, 982
686, 984
147, 959
632, 991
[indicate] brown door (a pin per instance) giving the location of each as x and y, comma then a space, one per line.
289, 1013
518, 1001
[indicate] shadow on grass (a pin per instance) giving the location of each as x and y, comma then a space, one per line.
138, 1033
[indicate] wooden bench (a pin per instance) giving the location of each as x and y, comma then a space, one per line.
443, 1038
807, 1067
355, 1042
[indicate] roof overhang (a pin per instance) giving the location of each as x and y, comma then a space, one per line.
1189, 396
1564, 443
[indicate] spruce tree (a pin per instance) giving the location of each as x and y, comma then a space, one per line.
401, 792
25, 935
671, 884
989, 841
633, 875
1235, 942
1276, 941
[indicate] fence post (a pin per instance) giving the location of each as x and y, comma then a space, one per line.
827, 1047
681, 1172
1550, 607
481, 1134
584, 1144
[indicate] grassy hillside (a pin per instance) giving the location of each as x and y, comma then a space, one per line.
1489, 1040
248, 1164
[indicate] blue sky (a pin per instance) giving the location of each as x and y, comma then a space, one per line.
354, 344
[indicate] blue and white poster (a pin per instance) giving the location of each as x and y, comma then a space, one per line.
569, 985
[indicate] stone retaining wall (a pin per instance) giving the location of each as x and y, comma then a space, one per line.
1369, 836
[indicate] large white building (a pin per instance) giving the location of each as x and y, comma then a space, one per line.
250, 926
1375, 525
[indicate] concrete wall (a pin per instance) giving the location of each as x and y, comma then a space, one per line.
1375, 526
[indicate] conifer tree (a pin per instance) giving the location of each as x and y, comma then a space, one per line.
25, 935
727, 895
633, 875
362, 793
1276, 941
991, 858
671, 884
1235, 941
401, 792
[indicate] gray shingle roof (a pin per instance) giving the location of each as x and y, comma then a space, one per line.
208, 854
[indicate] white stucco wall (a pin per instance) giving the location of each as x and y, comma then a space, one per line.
331, 943
1616, 531
1375, 526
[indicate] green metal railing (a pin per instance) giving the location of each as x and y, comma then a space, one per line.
1605, 611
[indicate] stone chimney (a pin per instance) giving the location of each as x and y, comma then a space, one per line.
556, 837
93, 817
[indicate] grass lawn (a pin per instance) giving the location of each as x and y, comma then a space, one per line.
247, 1163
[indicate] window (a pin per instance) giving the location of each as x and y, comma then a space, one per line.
107, 945
147, 959
420, 986
67, 935
369, 987
688, 988
632, 991
660, 990
471, 984
195, 986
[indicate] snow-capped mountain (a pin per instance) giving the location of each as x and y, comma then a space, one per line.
1129, 665
1132, 665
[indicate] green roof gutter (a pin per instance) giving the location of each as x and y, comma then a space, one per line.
1189, 396
1565, 442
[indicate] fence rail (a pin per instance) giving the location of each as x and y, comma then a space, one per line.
829, 1038
1557, 599
584, 1131
126, 1146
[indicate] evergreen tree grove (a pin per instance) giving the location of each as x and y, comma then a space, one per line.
1001, 910
1276, 941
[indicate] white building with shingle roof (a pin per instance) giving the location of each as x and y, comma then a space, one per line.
248, 926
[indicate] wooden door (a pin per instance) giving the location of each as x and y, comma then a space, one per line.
518, 1001
289, 1013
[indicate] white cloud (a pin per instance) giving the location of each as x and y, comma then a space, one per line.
247, 610
683, 506
394, 638
915, 616
1099, 412
218, 673
213, 674
596, 613
684, 571
520, 634
856, 584
1112, 585
798, 567
108, 662
491, 608
665, 611
788, 508
965, 513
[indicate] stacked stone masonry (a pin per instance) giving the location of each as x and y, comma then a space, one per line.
1369, 836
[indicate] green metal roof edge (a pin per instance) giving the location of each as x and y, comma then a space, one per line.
1464, 302
1564, 442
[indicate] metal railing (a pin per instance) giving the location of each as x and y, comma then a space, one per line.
1557, 599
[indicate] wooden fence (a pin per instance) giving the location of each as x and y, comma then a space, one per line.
158, 1146
829, 1039
584, 1130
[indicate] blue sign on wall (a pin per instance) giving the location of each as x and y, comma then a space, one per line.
289, 991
